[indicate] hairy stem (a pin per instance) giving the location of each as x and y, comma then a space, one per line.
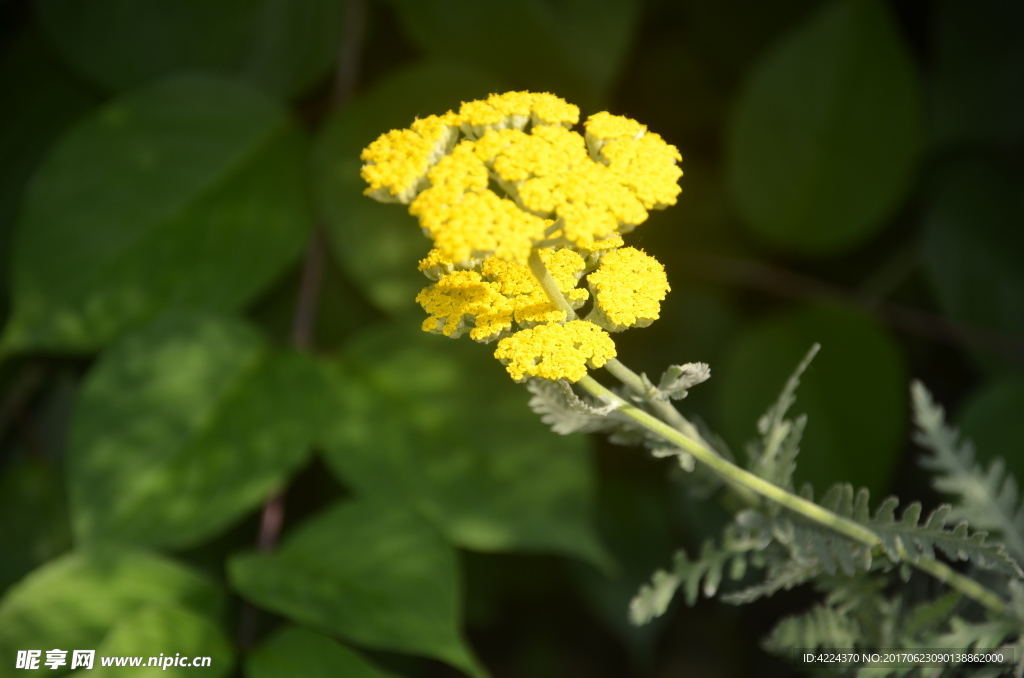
664, 409
808, 509
676, 433
548, 284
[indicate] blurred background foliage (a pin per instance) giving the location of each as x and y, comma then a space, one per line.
853, 176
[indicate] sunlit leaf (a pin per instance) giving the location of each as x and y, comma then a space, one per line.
74, 601
160, 633
379, 245
827, 131
371, 572
187, 193
184, 426
437, 425
853, 394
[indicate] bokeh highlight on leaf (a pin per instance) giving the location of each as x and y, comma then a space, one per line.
436, 426
184, 426
75, 600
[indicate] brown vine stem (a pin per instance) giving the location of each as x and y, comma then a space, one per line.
308, 300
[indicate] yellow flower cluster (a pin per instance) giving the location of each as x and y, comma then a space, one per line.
628, 288
556, 351
489, 300
555, 188
506, 176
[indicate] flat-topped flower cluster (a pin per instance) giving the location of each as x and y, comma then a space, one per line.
507, 192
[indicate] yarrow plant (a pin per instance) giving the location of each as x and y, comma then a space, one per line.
521, 210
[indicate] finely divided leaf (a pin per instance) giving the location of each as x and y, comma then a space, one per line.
988, 499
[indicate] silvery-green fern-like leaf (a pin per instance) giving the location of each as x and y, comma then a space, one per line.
989, 500
906, 539
703, 575
773, 456
780, 576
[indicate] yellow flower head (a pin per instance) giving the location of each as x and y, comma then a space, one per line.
506, 176
555, 351
518, 284
487, 301
628, 288
556, 191
397, 162
461, 300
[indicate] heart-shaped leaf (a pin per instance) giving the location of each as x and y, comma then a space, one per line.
374, 573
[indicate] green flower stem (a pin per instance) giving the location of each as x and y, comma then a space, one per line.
730, 471
743, 480
951, 577
665, 409
808, 509
548, 284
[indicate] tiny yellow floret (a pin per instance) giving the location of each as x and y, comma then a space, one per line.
555, 351
628, 289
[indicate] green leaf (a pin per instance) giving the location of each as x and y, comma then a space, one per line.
162, 632
379, 245
574, 48
297, 652
437, 425
827, 131
40, 101
977, 93
988, 498
285, 47
373, 573
703, 575
821, 626
187, 193
184, 426
974, 246
72, 602
991, 418
33, 519
853, 393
